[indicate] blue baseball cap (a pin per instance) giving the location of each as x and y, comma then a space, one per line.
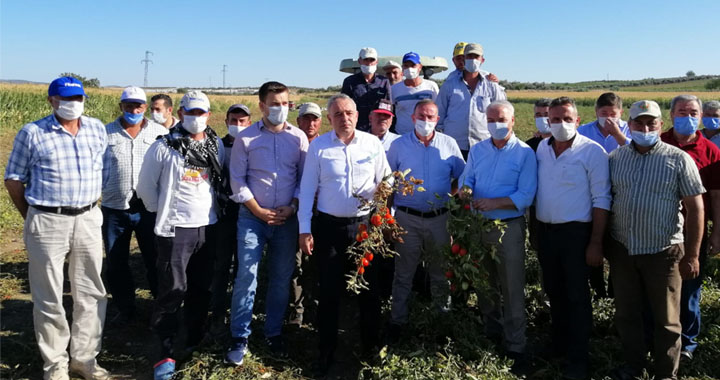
412, 57
66, 87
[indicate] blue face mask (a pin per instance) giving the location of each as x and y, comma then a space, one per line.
712, 123
132, 118
645, 139
686, 125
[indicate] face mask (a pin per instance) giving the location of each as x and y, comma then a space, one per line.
542, 124
498, 131
367, 69
644, 139
233, 130
712, 123
132, 118
601, 120
472, 65
159, 117
194, 124
424, 128
686, 125
562, 131
278, 114
410, 73
69, 109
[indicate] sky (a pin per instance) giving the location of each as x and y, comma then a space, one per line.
302, 42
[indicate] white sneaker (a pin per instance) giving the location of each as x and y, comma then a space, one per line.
57, 372
91, 371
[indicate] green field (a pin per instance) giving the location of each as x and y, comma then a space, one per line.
434, 347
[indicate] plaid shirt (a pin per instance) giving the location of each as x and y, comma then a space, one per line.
59, 169
122, 161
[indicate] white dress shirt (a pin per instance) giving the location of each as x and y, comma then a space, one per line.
571, 185
337, 173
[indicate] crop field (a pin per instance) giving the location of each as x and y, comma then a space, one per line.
450, 346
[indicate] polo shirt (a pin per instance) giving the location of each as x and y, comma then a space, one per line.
366, 95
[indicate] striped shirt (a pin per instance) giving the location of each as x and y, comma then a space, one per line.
59, 169
647, 190
123, 159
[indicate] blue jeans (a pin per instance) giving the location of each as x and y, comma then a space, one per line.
690, 306
117, 228
252, 235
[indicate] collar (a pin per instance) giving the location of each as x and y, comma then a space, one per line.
655, 148
261, 126
417, 140
334, 137
55, 123
509, 144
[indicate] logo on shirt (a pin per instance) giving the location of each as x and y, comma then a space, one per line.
194, 176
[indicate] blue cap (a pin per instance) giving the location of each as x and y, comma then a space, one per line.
66, 87
412, 57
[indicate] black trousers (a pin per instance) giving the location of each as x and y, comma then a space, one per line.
225, 259
185, 265
332, 237
565, 276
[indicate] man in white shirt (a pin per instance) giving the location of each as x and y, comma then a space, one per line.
573, 200
339, 165
179, 180
407, 93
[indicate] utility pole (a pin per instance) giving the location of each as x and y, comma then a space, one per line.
147, 62
224, 70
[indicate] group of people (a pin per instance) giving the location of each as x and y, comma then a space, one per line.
609, 189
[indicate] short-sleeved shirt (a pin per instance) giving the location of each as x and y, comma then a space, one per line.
437, 164
404, 98
59, 169
647, 190
366, 95
507, 172
592, 131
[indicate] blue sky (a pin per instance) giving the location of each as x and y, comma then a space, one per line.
301, 43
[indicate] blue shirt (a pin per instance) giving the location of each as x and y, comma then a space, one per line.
437, 164
59, 169
366, 95
498, 173
462, 114
592, 131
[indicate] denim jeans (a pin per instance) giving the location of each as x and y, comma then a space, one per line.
117, 229
690, 305
252, 235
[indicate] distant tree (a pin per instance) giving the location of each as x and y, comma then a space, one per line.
713, 84
87, 82
690, 74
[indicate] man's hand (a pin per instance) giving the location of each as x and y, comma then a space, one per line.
307, 244
485, 204
269, 216
285, 212
594, 254
492, 78
689, 267
714, 243
612, 128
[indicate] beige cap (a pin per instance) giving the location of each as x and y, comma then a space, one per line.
392, 63
473, 49
645, 107
459, 49
368, 52
133, 94
310, 108
195, 99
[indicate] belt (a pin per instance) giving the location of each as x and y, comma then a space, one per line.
511, 219
429, 214
342, 220
70, 211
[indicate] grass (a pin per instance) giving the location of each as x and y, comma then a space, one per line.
448, 346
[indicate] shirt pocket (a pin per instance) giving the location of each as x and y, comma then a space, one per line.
482, 103
573, 174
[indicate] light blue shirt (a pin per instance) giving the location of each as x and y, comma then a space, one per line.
715, 139
592, 131
387, 139
497, 173
462, 114
437, 164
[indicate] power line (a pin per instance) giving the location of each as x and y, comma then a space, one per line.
147, 62
224, 70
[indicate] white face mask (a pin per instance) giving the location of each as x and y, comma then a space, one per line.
368, 69
498, 131
410, 73
425, 128
542, 124
158, 117
562, 131
473, 65
601, 120
194, 124
233, 130
70, 109
278, 114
